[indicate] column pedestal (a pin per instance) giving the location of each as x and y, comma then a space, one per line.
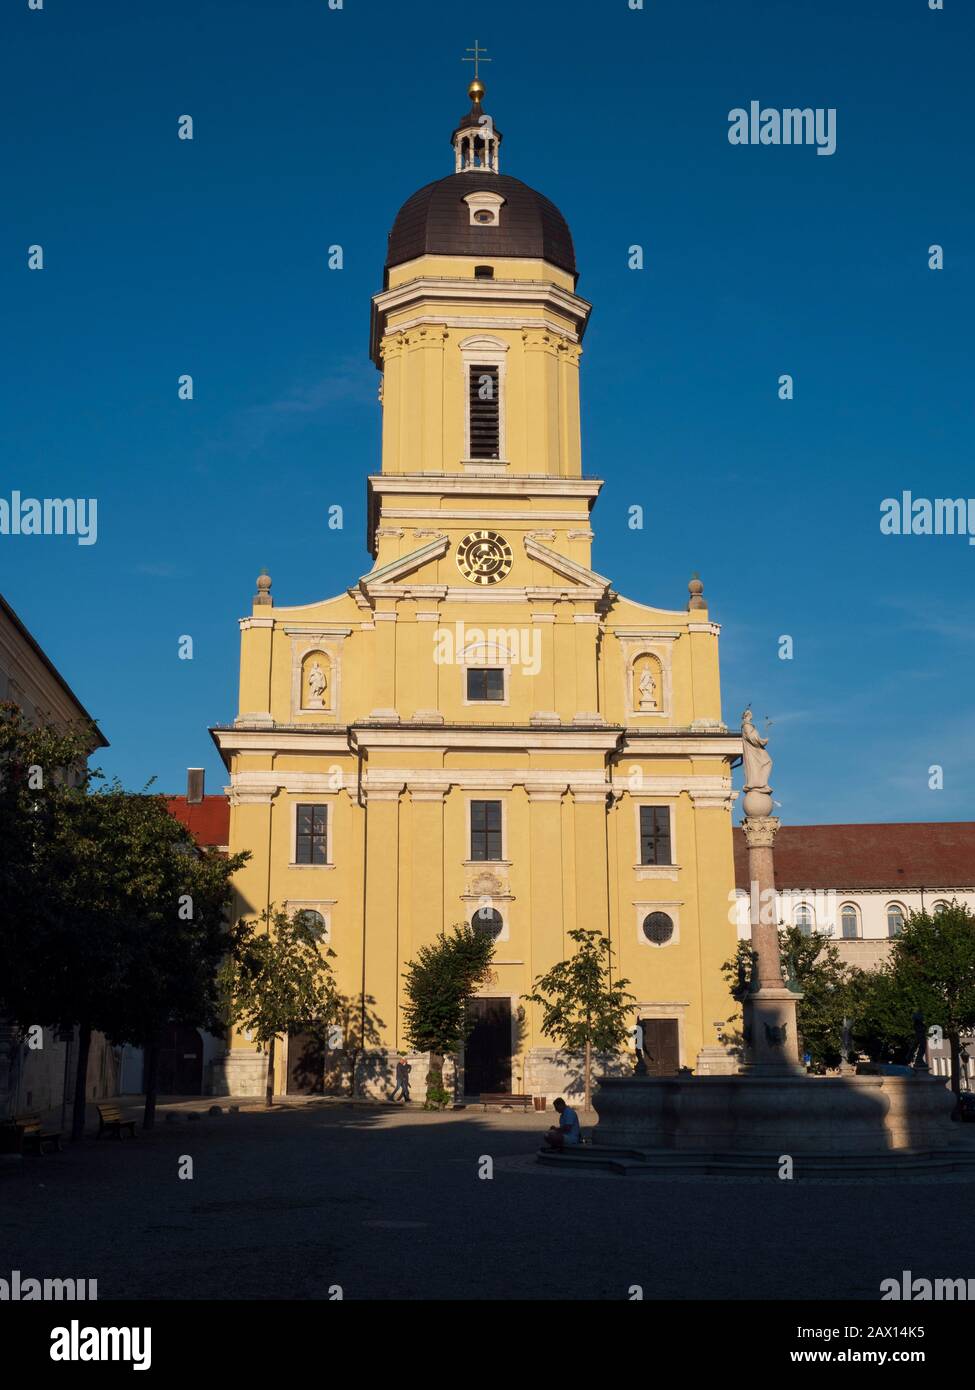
770, 1025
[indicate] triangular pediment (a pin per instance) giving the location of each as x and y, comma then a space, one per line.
579, 575
397, 570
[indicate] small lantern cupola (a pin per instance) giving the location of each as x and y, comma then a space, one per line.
476, 141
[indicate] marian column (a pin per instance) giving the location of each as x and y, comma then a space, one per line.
771, 1035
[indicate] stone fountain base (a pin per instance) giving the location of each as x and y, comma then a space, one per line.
868, 1124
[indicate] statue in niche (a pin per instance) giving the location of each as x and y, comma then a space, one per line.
758, 763
648, 689
317, 684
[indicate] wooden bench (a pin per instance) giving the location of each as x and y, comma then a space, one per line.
32, 1136
110, 1121
513, 1102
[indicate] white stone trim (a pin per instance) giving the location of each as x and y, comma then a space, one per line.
514, 484
539, 322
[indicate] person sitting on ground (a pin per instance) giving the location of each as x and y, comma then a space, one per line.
566, 1134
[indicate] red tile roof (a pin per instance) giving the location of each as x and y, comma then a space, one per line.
913, 855
208, 820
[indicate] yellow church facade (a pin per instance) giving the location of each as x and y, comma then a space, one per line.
480, 728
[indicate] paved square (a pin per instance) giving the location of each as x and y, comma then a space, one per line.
388, 1204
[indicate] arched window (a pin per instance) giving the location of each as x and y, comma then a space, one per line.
488, 920
940, 906
804, 919
658, 928
895, 919
849, 922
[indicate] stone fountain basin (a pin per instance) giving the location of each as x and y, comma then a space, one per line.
792, 1114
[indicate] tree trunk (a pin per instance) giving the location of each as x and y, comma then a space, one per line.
151, 1082
435, 1081
269, 1093
588, 1080
81, 1082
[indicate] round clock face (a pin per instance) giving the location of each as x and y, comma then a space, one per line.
484, 557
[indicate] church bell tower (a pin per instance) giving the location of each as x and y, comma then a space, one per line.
480, 728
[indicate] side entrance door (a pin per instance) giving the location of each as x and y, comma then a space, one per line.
487, 1052
180, 1061
306, 1065
661, 1044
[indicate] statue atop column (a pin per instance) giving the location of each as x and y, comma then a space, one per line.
758, 763
757, 795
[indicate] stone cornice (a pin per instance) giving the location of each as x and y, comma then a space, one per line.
444, 290
486, 484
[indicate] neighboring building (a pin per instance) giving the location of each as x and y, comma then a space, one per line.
858, 883
187, 1055
34, 1079
481, 728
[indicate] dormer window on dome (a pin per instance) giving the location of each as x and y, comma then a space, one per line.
476, 141
485, 208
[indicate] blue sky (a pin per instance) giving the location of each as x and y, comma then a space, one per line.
312, 126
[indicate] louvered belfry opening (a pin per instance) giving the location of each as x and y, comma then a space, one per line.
485, 413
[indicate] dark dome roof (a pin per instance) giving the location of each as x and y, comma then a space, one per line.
436, 221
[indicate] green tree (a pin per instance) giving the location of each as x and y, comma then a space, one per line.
279, 980
881, 1014
173, 900
439, 984
582, 1008
827, 986
110, 919
932, 968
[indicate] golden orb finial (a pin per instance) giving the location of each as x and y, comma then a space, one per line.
476, 90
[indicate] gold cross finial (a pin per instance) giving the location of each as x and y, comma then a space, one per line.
478, 58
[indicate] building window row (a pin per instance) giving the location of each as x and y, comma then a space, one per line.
486, 839
804, 918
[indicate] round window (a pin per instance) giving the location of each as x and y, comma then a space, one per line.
487, 920
483, 215
313, 920
658, 928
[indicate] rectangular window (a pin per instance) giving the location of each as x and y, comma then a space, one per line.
655, 835
484, 413
485, 683
486, 830
311, 844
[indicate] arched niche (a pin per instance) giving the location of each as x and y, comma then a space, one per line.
647, 684
316, 680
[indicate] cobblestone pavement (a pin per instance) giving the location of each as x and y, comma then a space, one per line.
388, 1203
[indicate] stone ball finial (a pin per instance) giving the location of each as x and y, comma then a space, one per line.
696, 590
263, 594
